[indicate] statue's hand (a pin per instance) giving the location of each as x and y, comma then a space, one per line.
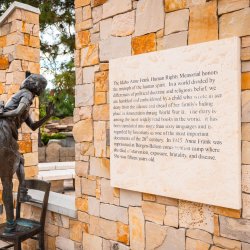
50, 109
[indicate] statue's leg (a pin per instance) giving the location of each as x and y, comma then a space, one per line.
22, 185
8, 203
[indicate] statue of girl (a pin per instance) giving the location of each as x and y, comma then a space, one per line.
14, 113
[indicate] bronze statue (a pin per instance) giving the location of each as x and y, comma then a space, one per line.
12, 115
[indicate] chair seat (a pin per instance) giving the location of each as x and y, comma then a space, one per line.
25, 229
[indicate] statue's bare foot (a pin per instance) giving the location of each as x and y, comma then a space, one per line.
24, 197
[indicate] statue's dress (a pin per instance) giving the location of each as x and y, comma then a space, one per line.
9, 154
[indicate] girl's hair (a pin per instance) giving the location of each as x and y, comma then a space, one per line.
35, 83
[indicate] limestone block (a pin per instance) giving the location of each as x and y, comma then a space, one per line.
97, 2
238, 229
78, 15
245, 81
115, 213
166, 201
176, 21
103, 228
164, 238
3, 75
87, 149
246, 178
63, 232
4, 62
91, 242
83, 131
245, 41
112, 8
245, 66
171, 218
130, 198
235, 24
115, 47
85, 25
95, 38
3, 41
153, 212
64, 244
84, 95
94, 206
144, 44
99, 167
82, 168
227, 243
124, 24
200, 235
226, 211
246, 206
89, 73
172, 40
122, 233
194, 215
85, 112
137, 228
78, 73
27, 53
89, 55
15, 38
97, 14
245, 152
203, 25
245, 54
29, 17
225, 6
101, 112
88, 186
82, 39
196, 244
107, 194
82, 204
245, 246
100, 98
174, 5
81, 3
100, 139
146, 19
31, 159
245, 99
86, 13
75, 229
101, 81
52, 230
105, 28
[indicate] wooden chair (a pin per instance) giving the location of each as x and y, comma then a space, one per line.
27, 228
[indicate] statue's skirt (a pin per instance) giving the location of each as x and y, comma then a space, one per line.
9, 154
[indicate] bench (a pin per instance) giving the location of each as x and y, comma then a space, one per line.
56, 173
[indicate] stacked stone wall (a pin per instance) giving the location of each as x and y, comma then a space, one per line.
114, 218
20, 52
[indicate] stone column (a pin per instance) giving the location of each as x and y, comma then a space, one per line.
20, 52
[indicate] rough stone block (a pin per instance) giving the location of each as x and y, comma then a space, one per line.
86, 13
97, 14
101, 81
176, 21
245, 41
75, 230
196, 244
144, 44
122, 233
235, 24
245, 152
246, 206
171, 218
82, 168
115, 47
226, 211
245, 81
82, 39
85, 25
84, 95
100, 167
64, 244
172, 40
246, 178
174, 5
245, 54
27, 53
194, 215
89, 74
83, 131
4, 62
88, 187
200, 235
100, 139
245, 102
105, 28
130, 198
89, 55
82, 204
225, 6
227, 243
203, 25
111, 8
238, 229
31, 159
153, 212
245, 246
94, 206
124, 24
107, 192
91, 242
81, 3
100, 98
101, 112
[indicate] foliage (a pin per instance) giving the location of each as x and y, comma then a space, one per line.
57, 46
46, 137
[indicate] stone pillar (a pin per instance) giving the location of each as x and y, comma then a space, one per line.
20, 52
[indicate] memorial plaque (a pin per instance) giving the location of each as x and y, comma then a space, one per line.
175, 123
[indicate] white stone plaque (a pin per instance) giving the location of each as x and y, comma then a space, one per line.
175, 123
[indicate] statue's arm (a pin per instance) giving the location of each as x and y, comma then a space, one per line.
35, 125
16, 112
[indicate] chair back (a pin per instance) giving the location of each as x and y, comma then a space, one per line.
40, 186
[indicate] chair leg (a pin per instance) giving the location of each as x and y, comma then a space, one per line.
17, 246
41, 241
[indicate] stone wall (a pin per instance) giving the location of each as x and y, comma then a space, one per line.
20, 52
118, 219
